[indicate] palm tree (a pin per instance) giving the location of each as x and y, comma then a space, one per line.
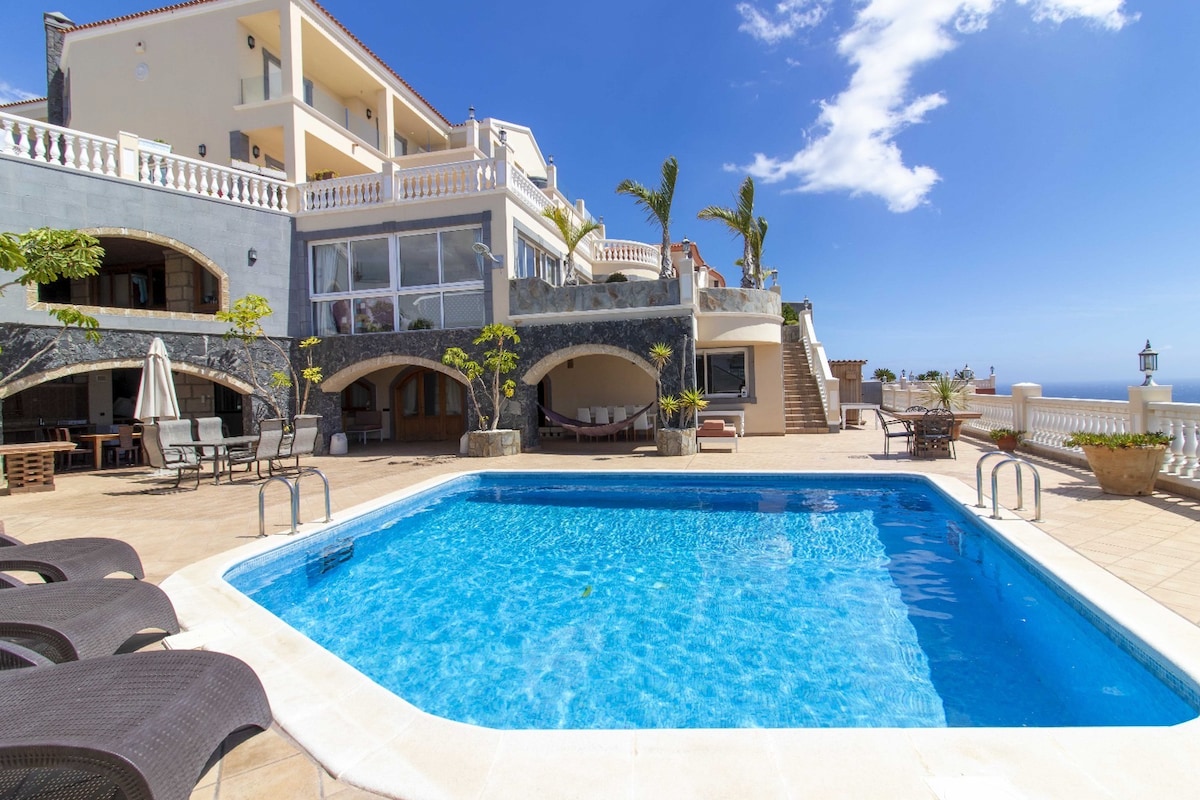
571, 233
657, 203
742, 222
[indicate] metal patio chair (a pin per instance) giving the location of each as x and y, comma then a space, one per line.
894, 429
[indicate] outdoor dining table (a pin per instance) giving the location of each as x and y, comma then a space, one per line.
98, 440
220, 449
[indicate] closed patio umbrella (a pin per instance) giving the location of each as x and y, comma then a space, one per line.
156, 394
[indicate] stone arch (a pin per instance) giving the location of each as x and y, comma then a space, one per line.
31, 292
360, 369
35, 378
535, 373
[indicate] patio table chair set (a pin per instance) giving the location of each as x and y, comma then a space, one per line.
931, 435
83, 718
170, 446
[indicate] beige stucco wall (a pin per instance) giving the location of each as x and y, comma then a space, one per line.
765, 415
598, 381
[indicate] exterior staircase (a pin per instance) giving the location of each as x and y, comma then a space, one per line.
802, 408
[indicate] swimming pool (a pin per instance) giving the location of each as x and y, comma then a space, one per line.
365, 735
625, 600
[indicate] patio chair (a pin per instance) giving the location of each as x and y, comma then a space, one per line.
210, 429
270, 439
69, 559
180, 456
141, 726
619, 415
894, 429
67, 458
83, 619
302, 442
933, 434
642, 423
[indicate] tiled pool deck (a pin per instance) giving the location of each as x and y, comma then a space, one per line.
1151, 543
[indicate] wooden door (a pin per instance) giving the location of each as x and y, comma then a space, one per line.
429, 407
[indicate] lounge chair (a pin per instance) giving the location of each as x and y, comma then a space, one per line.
894, 429
82, 558
141, 726
178, 456
716, 429
83, 619
366, 423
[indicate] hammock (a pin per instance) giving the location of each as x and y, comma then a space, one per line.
577, 427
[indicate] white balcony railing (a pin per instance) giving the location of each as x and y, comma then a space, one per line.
626, 252
75, 150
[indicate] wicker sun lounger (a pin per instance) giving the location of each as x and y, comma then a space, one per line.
83, 619
140, 726
70, 559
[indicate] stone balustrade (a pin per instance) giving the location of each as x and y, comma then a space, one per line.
620, 251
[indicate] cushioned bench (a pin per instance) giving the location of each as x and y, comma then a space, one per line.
716, 429
366, 423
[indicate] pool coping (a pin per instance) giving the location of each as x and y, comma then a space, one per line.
364, 735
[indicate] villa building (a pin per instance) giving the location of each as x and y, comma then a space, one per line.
298, 166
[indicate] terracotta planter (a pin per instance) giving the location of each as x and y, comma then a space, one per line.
675, 441
1126, 471
492, 444
1007, 443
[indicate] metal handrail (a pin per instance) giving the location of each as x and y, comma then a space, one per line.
1017, 463
321, 475
294, 491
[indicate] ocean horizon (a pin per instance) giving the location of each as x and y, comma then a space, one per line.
1182, 391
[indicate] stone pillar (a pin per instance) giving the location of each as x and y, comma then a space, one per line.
128, 148
1021, 392
181, 276
1139, 397
57, 99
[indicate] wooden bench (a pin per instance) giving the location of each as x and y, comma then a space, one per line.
716, 429
30, 467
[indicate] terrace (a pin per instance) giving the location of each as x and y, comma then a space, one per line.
1151, 543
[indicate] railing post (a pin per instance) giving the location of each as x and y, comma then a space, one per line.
127, 145
1139, 397
1020, 393
388, 182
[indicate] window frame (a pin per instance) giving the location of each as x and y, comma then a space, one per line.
705, 373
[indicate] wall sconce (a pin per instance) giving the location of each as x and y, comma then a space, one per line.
368, 113
1148, 363
250, 42
203, 151
687, 247
251, 257
255, 151
470, 112
482, 249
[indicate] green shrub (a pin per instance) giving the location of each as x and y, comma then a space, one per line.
999, 433
1112, 441
616, 277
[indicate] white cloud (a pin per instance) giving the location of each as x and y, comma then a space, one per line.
11, 94
1106, 13
788, 17
852, 146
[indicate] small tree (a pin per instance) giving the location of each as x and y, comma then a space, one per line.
790, 315
741, 222
691, 401
884, 375
657, 203
571, 233
245, 317
485, 379
46, 255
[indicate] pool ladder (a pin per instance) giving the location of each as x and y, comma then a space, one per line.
1018, 463
294, 492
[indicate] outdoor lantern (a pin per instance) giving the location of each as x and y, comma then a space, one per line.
251, 256
250, 42
254, 151
203, 151
1148, 363
687, 248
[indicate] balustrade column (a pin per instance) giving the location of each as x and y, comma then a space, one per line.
1139, 397
1021, 416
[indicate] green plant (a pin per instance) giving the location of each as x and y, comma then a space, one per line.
790, 315
323, 175
46, 255
421, 324
571, 233
945, 392
930, 375
660, 356
485, 378
884, 374
657, 203
246, 316
1118, 441
669, 405
691, 401
741, 222
616, 277
996, 434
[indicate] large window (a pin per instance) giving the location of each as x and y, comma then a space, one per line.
411, 281
534, 262
722, 372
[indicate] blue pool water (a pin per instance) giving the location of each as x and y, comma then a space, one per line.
621, 600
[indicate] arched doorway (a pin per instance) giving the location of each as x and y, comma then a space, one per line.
429, 406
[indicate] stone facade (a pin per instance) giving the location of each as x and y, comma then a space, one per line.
535, 296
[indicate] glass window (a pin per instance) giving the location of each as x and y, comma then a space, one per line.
459, 262
721, 372
419, 260
420, 311
331, 268
371, 264
374, 315
331, 318
463, 309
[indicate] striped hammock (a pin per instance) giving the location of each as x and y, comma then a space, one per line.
594, 429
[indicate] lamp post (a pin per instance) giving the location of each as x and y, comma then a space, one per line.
1148, 363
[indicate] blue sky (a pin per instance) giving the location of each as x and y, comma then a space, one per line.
1008, 183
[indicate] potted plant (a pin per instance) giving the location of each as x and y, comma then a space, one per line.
1006, 439
673, 441
942, 391
1123, 463
484, 383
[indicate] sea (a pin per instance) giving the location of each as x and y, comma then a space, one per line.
1182, 391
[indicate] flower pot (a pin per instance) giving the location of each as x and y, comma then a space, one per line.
1127, 471
675, 441
491, 444
1007, 443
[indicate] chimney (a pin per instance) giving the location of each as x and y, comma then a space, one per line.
57, 103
